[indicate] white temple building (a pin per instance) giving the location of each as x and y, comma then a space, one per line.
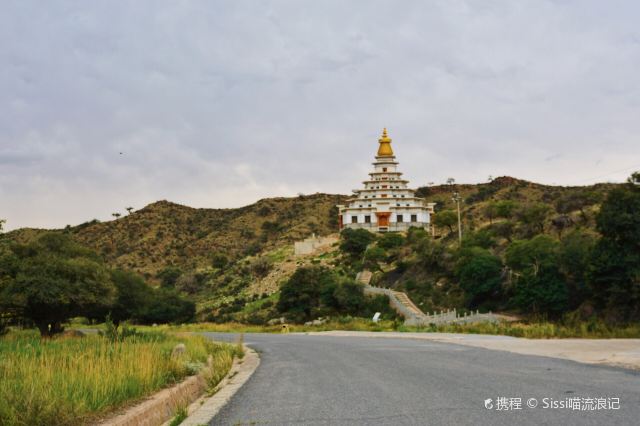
386, 204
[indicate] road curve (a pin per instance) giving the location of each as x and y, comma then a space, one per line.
327, 380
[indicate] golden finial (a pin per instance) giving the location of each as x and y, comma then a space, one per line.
385, 137
385, 145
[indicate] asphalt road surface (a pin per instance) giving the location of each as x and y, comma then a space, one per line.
328, 380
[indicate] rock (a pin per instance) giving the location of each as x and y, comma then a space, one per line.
178, 350
276, 321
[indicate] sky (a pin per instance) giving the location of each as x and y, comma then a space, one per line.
110, 104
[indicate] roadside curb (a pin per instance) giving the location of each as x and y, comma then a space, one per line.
160, 406
204, 409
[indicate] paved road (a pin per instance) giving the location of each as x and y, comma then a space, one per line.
327, 380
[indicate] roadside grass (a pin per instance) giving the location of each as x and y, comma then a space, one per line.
179, 417
531, 329
343, 323
594, 329
69, 381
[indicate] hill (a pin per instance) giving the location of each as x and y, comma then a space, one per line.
217, 256
168, 234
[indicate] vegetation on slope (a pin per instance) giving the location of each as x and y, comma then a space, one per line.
523, 261
166, 234
215, 257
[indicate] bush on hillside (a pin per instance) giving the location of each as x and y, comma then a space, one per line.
391, 240
354, 242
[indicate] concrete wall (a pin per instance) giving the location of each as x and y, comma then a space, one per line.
310, 245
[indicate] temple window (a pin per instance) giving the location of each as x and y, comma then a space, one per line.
367, 219
354, 219
399, 218
414, 218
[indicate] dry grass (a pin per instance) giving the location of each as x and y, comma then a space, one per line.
544, 330
70, 381
595, 329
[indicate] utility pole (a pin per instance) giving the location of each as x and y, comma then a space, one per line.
456, 199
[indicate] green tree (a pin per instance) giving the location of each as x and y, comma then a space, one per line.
349, 297
132, 296
505, 209
542, 293
480, 275
490, 211
577, 200
539, 286
301, 297
574, 261
169, 276
391, 240
447, 218
354, 242
534, 216
167, 306
53, 279
615, 271
373, 256
482, 238
540, 251
504, 229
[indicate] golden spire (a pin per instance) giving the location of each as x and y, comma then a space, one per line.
384, 150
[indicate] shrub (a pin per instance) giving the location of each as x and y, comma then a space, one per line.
391, 240
261, 267
355, 241
169, 276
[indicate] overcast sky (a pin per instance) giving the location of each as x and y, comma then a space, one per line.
109, 104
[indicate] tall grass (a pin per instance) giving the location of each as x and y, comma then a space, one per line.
534, 329
70, 381
595, 329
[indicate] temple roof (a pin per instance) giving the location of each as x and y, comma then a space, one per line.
384, 150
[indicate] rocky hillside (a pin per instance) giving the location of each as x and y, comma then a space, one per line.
164, 233
563, 206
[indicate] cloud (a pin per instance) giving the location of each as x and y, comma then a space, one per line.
219, 104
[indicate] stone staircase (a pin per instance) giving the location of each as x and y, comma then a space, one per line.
364, 277
412, 315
